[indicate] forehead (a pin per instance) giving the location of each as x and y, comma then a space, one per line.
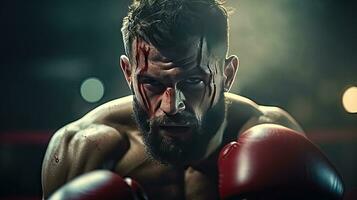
193, 55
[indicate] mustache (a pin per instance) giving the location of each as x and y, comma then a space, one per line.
180, 119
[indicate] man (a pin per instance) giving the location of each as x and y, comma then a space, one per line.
167, 136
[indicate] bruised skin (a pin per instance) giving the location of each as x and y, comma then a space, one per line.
171, 72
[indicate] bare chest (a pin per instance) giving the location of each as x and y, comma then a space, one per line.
200, 186
166, 183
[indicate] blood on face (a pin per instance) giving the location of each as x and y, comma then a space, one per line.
207, 94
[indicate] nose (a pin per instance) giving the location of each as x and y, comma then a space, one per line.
172, 101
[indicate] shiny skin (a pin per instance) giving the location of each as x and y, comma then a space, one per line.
162, 80
108, 138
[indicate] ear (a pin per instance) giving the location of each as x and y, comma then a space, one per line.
126, 68
230, 69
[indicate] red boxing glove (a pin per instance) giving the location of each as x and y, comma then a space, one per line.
100, 184
273, 162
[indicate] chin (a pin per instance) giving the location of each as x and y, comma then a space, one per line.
172, 151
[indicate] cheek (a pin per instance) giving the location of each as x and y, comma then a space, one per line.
198, 100
206, 97
219, 86
216, 83
148, 100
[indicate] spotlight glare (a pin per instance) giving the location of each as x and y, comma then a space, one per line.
92, 90
349, 100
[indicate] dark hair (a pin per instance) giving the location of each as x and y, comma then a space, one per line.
166, 23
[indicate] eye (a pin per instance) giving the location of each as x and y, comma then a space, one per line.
153, 82
152, 85
149, 81
193, 80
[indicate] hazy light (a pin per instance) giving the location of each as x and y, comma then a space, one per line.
92, 90
349, 100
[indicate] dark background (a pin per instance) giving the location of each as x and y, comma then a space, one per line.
299, 55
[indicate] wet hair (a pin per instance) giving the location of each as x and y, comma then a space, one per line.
168, 23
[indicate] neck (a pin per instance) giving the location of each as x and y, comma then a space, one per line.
216, 140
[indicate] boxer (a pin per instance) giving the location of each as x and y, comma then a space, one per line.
169, 133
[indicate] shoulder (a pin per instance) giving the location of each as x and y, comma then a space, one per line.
113, 113
255, 114
85, 145
276, 115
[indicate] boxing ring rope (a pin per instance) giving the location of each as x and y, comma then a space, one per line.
43, 137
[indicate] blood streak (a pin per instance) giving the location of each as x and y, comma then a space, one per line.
145, 50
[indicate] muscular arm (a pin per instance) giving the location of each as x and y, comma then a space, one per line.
76, 149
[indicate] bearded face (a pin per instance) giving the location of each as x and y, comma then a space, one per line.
178, 98
184, 149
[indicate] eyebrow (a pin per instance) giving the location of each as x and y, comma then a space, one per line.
194, 72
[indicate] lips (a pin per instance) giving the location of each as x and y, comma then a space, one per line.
182, 132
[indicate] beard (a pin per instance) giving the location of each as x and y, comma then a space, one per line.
170, 151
